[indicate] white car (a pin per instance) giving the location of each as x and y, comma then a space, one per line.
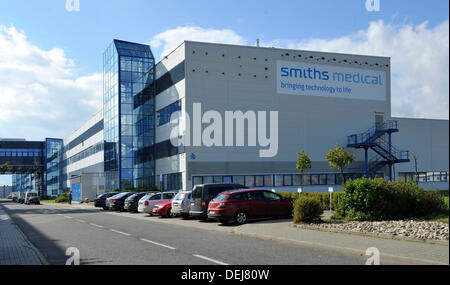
182, 203
147, 202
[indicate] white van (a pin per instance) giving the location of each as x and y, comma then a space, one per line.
32, 197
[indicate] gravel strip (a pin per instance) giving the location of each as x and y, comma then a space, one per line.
410, 229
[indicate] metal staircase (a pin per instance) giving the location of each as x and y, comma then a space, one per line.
379, 139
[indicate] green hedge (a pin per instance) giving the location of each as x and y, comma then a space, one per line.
323, 198
307, 209
378, 199
63, 198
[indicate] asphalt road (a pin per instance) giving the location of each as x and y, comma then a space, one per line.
134, 239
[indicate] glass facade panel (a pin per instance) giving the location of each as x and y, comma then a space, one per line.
124, 67
268, 181
239, 179
250, 181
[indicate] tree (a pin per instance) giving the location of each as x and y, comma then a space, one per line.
303, 163
340, 159
414, 155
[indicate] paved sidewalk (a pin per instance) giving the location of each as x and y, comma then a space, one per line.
398, 251
15, 249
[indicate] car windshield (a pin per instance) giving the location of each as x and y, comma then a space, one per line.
120, 195
221, 197
133, 196
180, 196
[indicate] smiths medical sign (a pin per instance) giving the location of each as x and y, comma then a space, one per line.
298, 78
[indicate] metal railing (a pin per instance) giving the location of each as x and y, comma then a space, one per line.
371, 134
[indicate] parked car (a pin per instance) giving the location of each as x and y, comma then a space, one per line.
117, 201
241, 205
181, 203
15, 199
163, 209
100, 201
147, 202
203, 194
21, 200
132, 202
32, 197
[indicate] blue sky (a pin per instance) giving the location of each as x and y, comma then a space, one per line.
51, 59
85, 34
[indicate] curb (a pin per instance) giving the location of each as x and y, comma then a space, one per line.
376, 235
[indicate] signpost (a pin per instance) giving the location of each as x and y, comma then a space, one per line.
331, 190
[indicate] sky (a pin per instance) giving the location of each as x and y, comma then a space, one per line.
51, 53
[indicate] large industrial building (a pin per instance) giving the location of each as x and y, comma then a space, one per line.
249, 111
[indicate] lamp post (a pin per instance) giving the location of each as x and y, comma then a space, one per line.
331, 190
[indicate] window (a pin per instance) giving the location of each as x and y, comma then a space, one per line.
314, 179
255, 195
197, 180
288, 180
268, 181
259, 181
238, 180
207, 179
217, 179
249, 181
323, 179
297, 179
221, 197
156, 197
165, 113
279, 180
270, 196
167, 196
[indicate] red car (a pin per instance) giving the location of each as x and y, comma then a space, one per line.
241, 205
163, 209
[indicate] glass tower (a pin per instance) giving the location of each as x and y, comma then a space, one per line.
127, 68
53, 166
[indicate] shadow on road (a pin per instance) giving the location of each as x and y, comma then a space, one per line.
49, 248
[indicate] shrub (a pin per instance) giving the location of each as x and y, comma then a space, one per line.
378, 199
63, 198
307, 209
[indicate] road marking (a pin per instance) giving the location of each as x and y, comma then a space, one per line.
81, 221
95, 225
68, 217
119, 232
210, 259
157, 243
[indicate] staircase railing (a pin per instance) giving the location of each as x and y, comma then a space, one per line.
373, 133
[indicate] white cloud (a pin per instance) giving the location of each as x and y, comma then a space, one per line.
170, 39
419, 63
40, 95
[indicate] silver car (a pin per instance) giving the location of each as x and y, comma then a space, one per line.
182, 203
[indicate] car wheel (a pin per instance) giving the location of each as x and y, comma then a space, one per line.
240, 218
